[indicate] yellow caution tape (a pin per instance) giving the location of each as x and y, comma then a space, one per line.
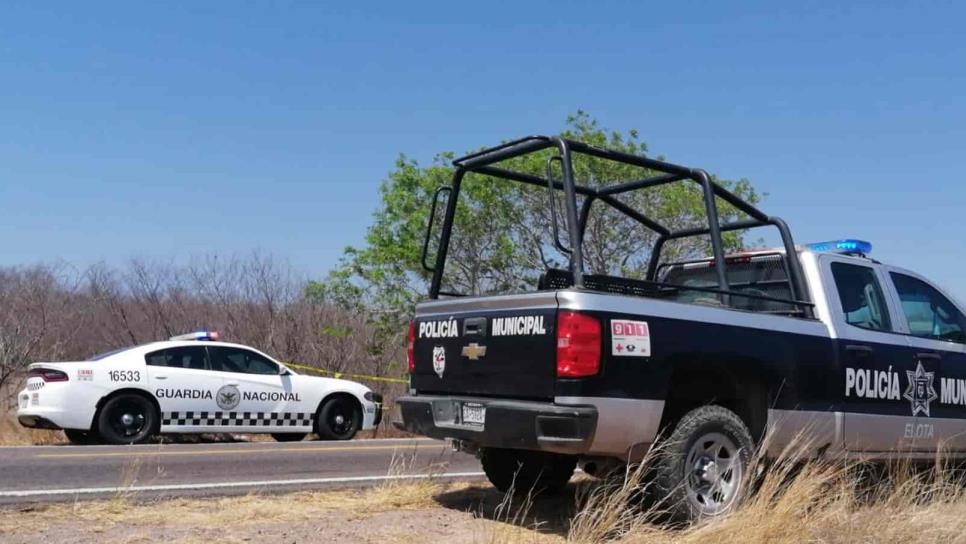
347, 375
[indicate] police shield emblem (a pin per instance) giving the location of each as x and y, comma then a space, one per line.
439, 360
228, 397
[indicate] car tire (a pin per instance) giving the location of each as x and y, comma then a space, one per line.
78, 437
527, 471
702, 469
340, 417
288, 437
128, 418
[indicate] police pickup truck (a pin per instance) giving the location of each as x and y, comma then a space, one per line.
863, 358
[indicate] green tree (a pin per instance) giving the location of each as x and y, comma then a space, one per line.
501, 240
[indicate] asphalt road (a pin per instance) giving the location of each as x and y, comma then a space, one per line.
54, 473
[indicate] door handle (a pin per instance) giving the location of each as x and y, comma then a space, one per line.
931, 356
232, 383
858, 349
474, 326
160, 377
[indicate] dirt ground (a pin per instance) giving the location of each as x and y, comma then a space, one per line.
407, 512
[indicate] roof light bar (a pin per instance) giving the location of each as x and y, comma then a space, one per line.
843, 246
197, 335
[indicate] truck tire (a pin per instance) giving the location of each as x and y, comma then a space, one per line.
525, 471
128, 418
702, 469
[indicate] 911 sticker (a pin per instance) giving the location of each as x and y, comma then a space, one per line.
630, 338
85, 375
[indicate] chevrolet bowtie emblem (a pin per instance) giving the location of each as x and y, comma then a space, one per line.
474, 351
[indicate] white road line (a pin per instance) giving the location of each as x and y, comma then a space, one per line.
228, 485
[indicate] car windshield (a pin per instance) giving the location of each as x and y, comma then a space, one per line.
107, 354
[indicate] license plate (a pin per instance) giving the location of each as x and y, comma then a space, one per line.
474, 414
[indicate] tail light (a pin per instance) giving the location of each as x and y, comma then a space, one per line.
410, 346
578, 345
47, 374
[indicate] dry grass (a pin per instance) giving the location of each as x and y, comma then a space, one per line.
128, 512
128, 508
795, 501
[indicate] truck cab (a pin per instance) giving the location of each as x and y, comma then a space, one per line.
900, 349
718, 355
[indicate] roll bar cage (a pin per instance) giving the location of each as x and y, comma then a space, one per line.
483, 162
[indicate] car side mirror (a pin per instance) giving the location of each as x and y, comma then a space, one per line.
282, 371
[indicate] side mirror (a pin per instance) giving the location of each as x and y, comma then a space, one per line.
282, 371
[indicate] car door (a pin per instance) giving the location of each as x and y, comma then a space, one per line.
936, 330
261, 398
184, 386
874, 359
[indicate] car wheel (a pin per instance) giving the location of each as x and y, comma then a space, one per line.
339, 418
288, 437
127, 419
79, 438
527, 471
702, 470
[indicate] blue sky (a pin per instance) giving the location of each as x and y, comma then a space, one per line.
131, 129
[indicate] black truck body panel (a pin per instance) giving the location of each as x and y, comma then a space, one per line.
514, 366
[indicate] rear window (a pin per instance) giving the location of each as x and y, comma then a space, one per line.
107, 354
757, 276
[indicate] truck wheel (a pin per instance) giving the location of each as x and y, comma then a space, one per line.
79, 438
339, 418
525, 471
288, 437
701, 470
127, 419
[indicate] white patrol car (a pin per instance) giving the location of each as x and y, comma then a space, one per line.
191, 384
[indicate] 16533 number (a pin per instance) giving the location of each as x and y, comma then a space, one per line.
124, 375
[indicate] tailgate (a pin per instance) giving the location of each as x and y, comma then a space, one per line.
493, 346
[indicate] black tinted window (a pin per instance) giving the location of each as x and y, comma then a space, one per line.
228, 359
185, 357
762, 275
862, 300
928, 313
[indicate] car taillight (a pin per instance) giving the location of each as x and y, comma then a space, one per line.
48, 374
410, 347
578, 345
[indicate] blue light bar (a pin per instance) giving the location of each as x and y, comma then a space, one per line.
197, 335
843, 246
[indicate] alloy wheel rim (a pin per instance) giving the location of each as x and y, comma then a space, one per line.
129, 419
714, 472
340, 422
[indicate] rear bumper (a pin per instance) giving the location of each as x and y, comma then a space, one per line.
37, 422
542, 426
45, 409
